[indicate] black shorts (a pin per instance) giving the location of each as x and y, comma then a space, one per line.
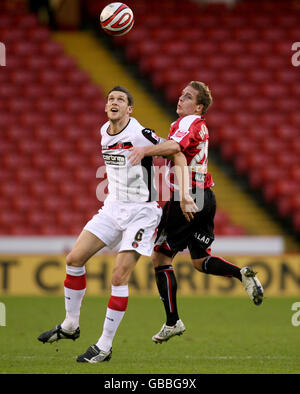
175, 233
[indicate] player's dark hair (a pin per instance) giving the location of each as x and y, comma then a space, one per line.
204, 96
124, 90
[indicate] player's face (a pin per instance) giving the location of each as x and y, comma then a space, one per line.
117, 106
187, 102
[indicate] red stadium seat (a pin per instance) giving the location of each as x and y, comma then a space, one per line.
253, 161
24, 48
296, 221
11, 218
289, 205
42, 188
28, 175
55, 203
38, 34
272, 146
74, 105
63, 63
50, 49
286, 159
20, 104
245, 34
232, 47
294, 172
76, 77
24, 204
57, 175
22, 77
30, 147
245, 62
266, 175
238, 147
140, 50
287, 132
27, 21
52, 229
174, 48
258, 75
279, 189
42, 161
90, 91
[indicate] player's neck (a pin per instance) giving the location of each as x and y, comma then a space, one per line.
183, 115
115, 126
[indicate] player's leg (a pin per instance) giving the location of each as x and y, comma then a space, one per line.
117, 305
86, 246
167, 287
204, 262
203, 237
172, 230
218, 266
213, 265
137, 240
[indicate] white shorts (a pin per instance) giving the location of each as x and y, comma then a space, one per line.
129, 224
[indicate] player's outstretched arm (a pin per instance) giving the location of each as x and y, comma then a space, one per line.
167, 148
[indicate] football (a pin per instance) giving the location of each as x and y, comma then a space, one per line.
116, 19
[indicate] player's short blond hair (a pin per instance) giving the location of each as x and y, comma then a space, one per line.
204, 96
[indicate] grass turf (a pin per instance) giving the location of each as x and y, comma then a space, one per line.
224, 336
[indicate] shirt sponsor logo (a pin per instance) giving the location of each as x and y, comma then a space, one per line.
114, 160
179, 135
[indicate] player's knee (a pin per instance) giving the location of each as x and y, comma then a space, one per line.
120, 275
159, 259
118, 279
156, 259
73, 259
197, 263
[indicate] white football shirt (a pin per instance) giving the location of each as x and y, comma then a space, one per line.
126, 182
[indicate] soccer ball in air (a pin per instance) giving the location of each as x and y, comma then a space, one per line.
116, 19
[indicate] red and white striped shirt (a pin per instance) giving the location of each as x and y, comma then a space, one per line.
192, 135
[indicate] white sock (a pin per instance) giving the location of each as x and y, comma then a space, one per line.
75, 287
114, 314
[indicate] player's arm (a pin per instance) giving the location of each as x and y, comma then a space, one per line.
187, 204
167, 148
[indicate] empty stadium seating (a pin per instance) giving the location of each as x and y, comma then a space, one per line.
244, 54
47, 105
50, 111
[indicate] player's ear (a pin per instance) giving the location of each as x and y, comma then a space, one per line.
199, 109
130, 109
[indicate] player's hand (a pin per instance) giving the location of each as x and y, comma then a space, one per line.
188, 207
136, 155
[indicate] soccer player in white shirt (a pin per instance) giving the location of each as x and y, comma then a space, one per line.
128, 218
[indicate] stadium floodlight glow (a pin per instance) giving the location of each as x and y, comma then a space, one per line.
2, 54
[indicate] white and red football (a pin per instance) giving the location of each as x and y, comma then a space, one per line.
116, 19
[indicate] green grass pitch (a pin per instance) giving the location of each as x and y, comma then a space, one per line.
223, 336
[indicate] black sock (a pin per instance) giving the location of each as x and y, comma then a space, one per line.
167, 287
217, 266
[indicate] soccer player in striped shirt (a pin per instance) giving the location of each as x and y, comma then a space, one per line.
188, 218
